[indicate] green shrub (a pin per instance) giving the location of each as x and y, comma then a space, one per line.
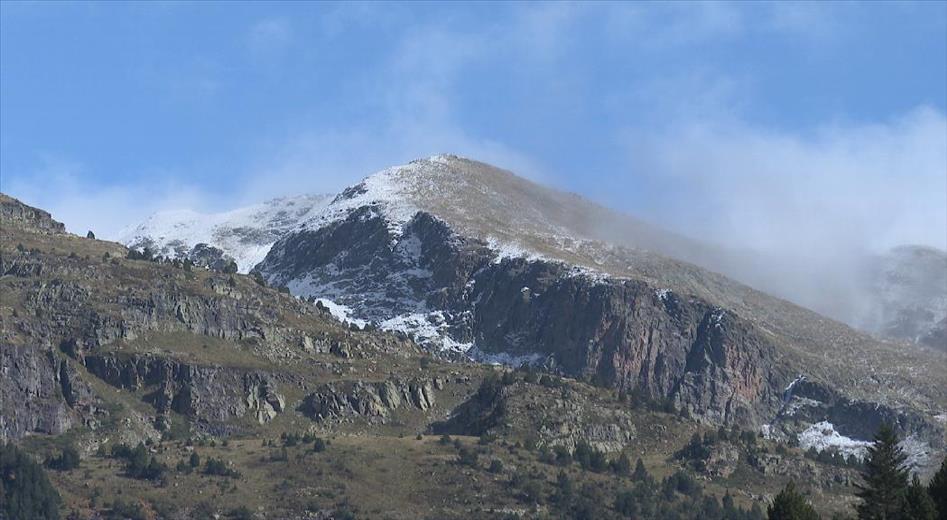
319, 445
67, 460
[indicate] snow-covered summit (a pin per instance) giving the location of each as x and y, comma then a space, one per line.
244, 234
514, 215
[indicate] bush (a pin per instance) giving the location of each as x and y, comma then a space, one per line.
467, 457
122, 510
318, 445
444, 440
683, 483
533, 491
219, 467
564, 489
137, 462
240, 513
563, 457
496, 466
67, 460
290, 439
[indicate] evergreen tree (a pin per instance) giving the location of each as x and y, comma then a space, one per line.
885, 479
622, 465
25, 491
640, 474
938, 490
919, 505
789, 504
564, 489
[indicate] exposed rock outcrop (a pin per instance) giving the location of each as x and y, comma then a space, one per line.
15, 213
620, 333
40, 392
549, 415
210, 395
367, 400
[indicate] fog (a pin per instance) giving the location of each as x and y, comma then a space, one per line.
805, 218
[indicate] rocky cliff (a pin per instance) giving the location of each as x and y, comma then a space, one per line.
210, 348
498, 277
15, 213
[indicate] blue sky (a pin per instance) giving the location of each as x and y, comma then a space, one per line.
772, 125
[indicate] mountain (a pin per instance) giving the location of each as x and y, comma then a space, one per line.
471, 259
243, 235
183, 392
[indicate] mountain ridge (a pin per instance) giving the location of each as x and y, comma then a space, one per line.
469, 258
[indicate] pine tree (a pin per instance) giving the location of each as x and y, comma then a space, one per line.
789, 504
885, 479
640, 474
938, 490
25, 490
919, 506
622, 465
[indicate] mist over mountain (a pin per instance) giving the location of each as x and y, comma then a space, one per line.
448, 297
899, 294
473, 261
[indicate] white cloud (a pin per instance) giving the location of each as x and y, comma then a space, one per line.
846, 184
62, 187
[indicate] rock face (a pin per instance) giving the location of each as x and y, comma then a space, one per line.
40, 393
14, 212
211, 395
365, 400
549, 414
806, 403
620, 333
206, 347
470, 260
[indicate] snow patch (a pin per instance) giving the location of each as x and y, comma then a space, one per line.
427, 328
343, 313
244, 234
505, 358
822, 436
506, 249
